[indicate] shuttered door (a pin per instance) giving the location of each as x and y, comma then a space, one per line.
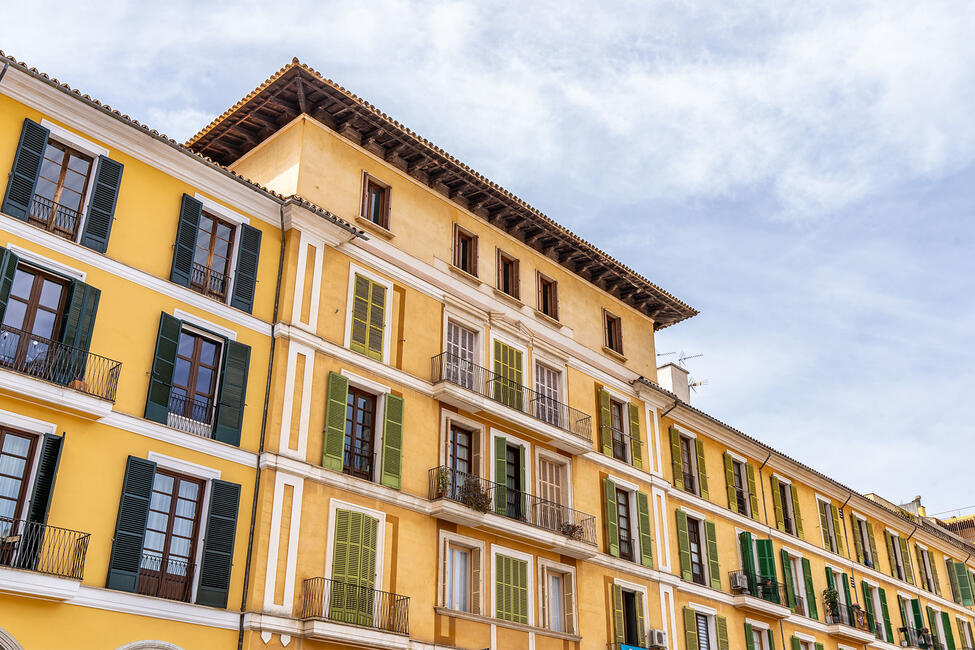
547, 383
551, 491
79, 322
185, 245
511, 589
218, 545
130, 526
27, 166
392, 442
338, 392
245, 277
507, 365
163, 364
368, 317
40, 503
233, 392
101, 207
461, 354
353, 568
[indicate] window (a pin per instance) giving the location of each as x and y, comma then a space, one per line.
828, 525
462, 450
509, 281
798, 583
629, 622
696, 549
355, 546
620, 439
784, 496
703, 632
191, 400
514, 472
465, 250
865, 534
740, 486
167, 566
625, 526
512, 589
16, 457
687, 463
460, 360
552, 488
509, 371
60, 190
458, 577
368, 319
32, 321
896, 555
360, 434
929, 578
548, 385
558, 598
211, 257
613, 328
548, 296
375, 201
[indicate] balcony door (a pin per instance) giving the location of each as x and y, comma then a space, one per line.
192, 397
16, 452
509, 373
60, 191
547, 383
32, 320
211, 257
514, 470
352, 591
461, 355
551, 489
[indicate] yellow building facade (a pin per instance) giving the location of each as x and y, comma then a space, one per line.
341, 391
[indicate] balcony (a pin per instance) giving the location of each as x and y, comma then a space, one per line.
913, 638
327, 607
39, 560
476, 502
71, 368
756, 595
210, 283
170, 578
53, 217
849, 624
194, 416
465, 385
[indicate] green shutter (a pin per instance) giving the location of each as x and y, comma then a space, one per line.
747, 553
500, 464
392, 442
891, 558
377, 321
8, 268
749, 638
824, 523
837, 529
846, 588
641, 624
342, 556
612, 518
361, 290
619, 622
605, 420
163, 363
130, 525
702, 472
934, 574
916, 611
646, 537
508, 367
922, 572
885, 611
27, 167
520, 591
690, 628
721, 624
872, 543
949, 635
101, 206
964, 585
857, 539
245, 277
790, 586
868, 605
511, 589
712, 543
683, 545
766, 559
777, 503
952, 580
218, 545
184, 247
675, 462
818, 646
752, 491
729, 479
932, 621
353, 567
796, 512
771, 640
636, 447
79, 320
796, 643
810, 589
336, 405
47, 471
233, 392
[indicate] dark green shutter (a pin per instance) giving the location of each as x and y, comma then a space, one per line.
702, 472
790, 586
79, 322
818, 646
646, 537
766, 559
392, 442
675, 460
233, 392
714, 570
932, 621
245, 278
185, 245
721, 625
130, 526
8, 267
846, 588
101, 207
47, 471
810, 589
636, 446
949, 635
163, 363
886, 614
752, 491
27, 167
916, 611
749, 637
729, 481
771, 639
747, 555
605, 421
612, 518
868, 606
337, 398
218, 545
964, 585
683, 545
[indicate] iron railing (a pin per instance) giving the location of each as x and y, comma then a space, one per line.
58, 363
42, 548
759, 587
208, 282
344, 602
190, 415
623, 444
457, 370
172, 579
54, 217
914, 638
486, 496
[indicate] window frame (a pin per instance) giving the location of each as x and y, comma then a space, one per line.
544, 568
448, 540
788, 511
497, 550
736, 463
555, 457
460, 234
702, 542
501, 258
447, 421
895, 539
830, 531
23, 499
634, 588
868, 559
691, 440
355, 269
386, 190
610, 342
545, 284
380, 392
218, 340
335, 504
215, 210
32, 305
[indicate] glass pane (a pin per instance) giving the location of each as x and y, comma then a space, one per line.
7, 509
154, 541
163, 483
12, 466
9, 487
17, 445
555, 602
54, 153
71, 200
185, 508
23, 281
74, 181
14, 316
208, 352
46, 189
51, 294
43, 324
79, 164
204, 377
157, 521
159, 502
186, 342
459, 572
183, 527
181, 372
8, 346
179, 546
188, 489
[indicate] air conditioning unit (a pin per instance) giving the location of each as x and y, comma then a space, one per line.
657, 640
739, 583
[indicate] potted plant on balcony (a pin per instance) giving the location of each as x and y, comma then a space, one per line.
472, 495
831, 600
443, 481
570, 530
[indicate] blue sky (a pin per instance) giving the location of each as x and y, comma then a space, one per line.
800, 172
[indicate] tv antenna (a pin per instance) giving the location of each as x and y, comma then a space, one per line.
682, 357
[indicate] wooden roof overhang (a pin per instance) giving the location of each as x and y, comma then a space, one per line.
297, 89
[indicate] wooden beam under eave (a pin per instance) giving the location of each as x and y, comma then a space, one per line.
302, 100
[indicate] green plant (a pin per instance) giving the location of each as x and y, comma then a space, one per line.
443, 481
831, 599
472, 495
570, 530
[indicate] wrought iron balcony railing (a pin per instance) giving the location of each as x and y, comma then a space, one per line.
54, 217
456, 370
172, 578
486, 496
58, 363
190, 415
208, 282
42, 548
344, 602
759, 587
911, 637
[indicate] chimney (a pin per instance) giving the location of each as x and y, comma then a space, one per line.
674, 378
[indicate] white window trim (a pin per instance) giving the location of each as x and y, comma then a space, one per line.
446, 539
542, 565
466, 323
738, 457
355, 269
446, 417
693, 513
781, 479
27, 424
702, 543
365, 384
183, 466
35, 259
758, 625
560, 370
337, 504
219, 210
510, 439
74, 140
555, 457
202, 323
685, 432
518, 555
808, 638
